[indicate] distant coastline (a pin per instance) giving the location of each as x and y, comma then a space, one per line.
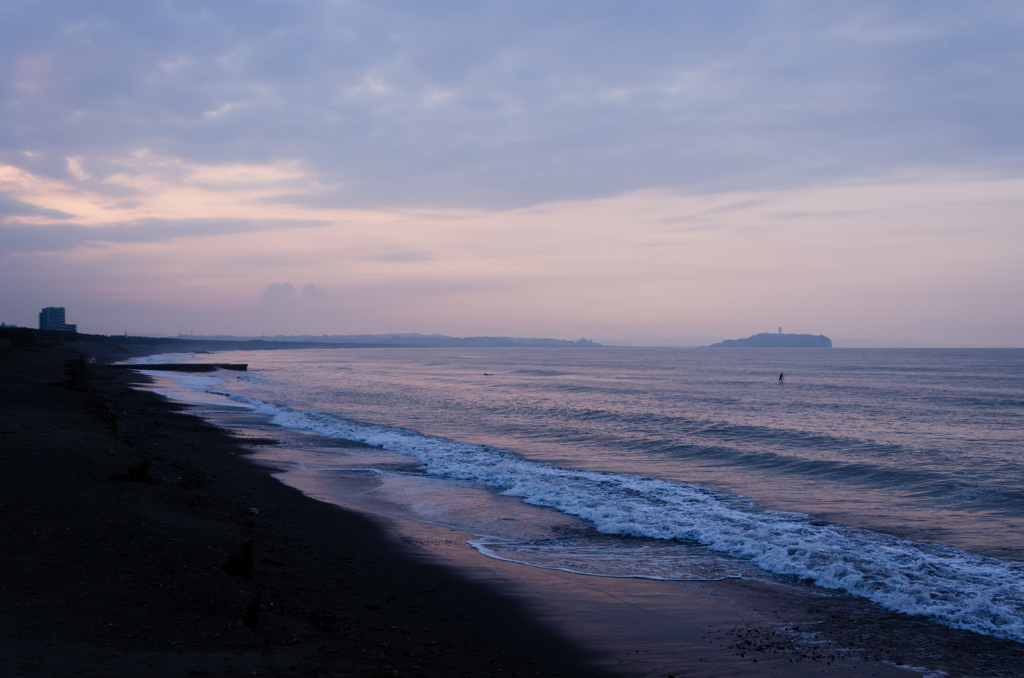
130, 344
770, 340
407, 339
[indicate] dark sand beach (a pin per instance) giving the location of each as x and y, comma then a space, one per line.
136, 539
115, 569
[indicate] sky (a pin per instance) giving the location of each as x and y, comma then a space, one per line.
643, 172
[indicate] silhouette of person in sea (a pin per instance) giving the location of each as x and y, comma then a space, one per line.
780, 378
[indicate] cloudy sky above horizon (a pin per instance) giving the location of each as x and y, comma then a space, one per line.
600, 169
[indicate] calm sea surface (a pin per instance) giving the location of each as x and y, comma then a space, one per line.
892, 475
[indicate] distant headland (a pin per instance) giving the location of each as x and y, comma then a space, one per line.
780, 340
23, 337
409, 340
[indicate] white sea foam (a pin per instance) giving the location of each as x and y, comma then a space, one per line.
949, 585
605, 557
197, 382
190, 388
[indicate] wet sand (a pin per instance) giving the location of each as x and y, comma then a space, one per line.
201, 563
732, 627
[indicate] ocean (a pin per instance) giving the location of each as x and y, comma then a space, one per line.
896, 476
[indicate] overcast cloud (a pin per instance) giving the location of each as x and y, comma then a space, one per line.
511, 103
155, 122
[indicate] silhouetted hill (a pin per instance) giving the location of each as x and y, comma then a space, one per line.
22, 337
101, 344
412, 339
770, 340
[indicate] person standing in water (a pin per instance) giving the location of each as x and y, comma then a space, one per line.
780, 378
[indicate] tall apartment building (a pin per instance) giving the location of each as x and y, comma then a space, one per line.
52, 318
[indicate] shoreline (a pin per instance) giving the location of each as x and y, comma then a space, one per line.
790, 626
129, 547
341, 592
727, 627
